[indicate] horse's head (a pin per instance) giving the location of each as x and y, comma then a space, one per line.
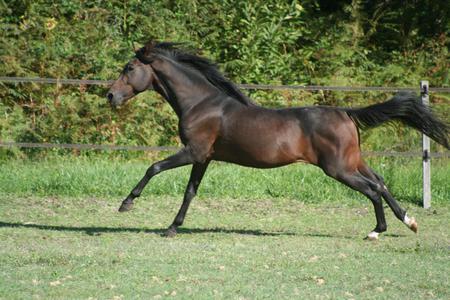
138, 75
135, 78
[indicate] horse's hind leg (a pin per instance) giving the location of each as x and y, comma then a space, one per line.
399, 212
367, 187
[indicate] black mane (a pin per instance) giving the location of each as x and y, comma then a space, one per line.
206, 67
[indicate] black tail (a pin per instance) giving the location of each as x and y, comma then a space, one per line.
407, 108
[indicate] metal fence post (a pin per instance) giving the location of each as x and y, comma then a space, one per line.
426, 163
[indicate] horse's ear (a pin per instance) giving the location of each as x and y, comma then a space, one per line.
145, 56
149, 46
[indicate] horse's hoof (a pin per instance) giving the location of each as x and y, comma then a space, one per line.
126, 206
170, 233
413, 225
372, 236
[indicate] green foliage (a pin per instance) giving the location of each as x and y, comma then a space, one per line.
317, 42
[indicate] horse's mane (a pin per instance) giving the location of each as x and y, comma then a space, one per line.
206, 67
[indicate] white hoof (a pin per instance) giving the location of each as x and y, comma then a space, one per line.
373, 236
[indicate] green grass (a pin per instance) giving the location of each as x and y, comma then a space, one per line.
66, 248
274, 234
100, 177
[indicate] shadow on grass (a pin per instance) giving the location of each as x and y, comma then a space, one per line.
95, 230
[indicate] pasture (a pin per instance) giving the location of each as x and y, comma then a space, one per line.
286, 233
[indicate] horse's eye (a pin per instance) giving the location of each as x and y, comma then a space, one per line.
128, 68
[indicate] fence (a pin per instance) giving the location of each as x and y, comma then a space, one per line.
242, 86
423, 88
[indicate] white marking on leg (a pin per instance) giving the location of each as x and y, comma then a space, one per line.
373, 235
411, 223
407, 220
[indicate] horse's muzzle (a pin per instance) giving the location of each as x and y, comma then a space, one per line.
114, 100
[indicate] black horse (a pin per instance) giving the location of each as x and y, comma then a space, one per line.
218, 122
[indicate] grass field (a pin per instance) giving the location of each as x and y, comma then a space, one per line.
100, 177
275, 234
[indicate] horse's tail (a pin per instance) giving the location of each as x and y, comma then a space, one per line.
407, 108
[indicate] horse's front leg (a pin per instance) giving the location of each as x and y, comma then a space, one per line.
197, 172
182, 158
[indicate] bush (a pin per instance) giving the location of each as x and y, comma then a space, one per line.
287, 42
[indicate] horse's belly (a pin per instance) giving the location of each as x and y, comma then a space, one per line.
259, 154
263, 139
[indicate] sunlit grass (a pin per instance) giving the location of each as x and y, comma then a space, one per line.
82, 248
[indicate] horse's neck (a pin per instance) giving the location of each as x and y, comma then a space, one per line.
182, 87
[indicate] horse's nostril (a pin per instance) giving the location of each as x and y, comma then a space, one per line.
110, 96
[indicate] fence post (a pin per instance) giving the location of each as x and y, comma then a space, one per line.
426, 163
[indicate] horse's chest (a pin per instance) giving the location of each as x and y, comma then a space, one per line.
200, 130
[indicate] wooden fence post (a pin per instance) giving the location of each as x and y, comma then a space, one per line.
426, 163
